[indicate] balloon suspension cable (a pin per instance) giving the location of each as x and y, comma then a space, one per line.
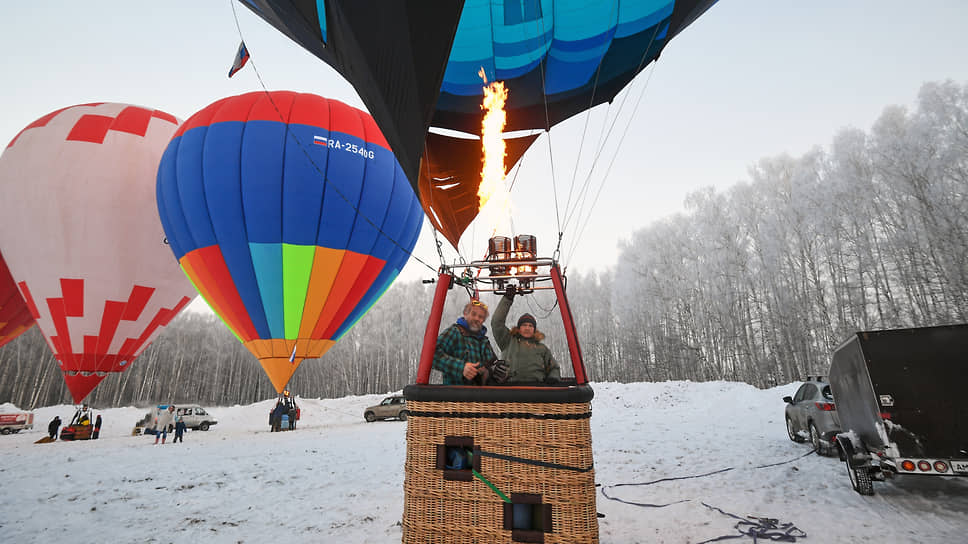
309, 157
584, 132
517, 170
551, 158
535, 306
611, 127
439, 244
557, 253
608, 169
604, 135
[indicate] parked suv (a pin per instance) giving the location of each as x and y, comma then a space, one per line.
395, 406
195, 416
811, 414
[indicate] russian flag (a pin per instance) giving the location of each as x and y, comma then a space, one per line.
319, 140
241, 58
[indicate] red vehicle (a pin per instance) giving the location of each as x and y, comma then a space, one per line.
15, 422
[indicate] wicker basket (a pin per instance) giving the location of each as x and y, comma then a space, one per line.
531, 444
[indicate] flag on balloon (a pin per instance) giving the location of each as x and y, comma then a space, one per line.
241, 57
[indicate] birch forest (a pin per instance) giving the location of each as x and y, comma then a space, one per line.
758, 283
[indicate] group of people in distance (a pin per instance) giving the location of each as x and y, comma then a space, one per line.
464, 355
285, 406
82, 418
166, 419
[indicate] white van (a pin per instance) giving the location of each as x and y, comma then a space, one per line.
195, 416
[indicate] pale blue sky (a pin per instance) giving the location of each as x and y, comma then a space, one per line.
749, 79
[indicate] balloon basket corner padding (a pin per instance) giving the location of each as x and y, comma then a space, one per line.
528, 473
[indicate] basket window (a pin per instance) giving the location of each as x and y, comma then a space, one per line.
457, 457
527, 518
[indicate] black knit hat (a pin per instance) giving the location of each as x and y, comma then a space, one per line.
527, 318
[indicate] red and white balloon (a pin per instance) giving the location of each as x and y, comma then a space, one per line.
80, 232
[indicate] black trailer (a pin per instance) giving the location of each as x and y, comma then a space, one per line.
902, 403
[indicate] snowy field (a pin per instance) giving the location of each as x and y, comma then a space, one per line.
339, 479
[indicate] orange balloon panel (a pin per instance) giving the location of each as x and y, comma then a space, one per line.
82, 238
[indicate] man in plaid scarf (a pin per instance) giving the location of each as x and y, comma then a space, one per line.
463, 350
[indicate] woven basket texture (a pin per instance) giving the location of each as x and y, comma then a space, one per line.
441, 511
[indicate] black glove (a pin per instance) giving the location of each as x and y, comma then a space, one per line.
500, 371
510, 291
483, 373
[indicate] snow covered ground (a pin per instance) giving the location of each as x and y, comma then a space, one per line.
339, 479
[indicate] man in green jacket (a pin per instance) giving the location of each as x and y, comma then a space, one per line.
530, 360
463, 350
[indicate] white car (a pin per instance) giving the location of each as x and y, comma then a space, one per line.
812, 415
391, 407
195, 416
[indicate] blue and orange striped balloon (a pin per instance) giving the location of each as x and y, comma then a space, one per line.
291, 216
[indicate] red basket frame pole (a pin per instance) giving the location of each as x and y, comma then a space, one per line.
577, 362
433, 326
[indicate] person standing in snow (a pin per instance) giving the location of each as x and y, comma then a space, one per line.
179, 429
162, 422
275, 417
463, 350
291, 409
529, 359
53, 426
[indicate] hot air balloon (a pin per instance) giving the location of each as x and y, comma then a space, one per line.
290, 215
424, 66
15, 317
417, 65
81, 238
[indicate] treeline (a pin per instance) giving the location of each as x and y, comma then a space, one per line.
197, 359
757, 284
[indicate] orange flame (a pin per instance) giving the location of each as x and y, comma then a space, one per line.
493, 146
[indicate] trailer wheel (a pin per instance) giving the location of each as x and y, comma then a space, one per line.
792, 432
860, 477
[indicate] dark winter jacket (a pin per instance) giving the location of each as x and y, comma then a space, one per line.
53, 426
458, 345
529, 359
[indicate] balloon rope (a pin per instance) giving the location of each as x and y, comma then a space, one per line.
584, 130
608, 169
492, 486
309, 157
551, 158
479, 476
604, 141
